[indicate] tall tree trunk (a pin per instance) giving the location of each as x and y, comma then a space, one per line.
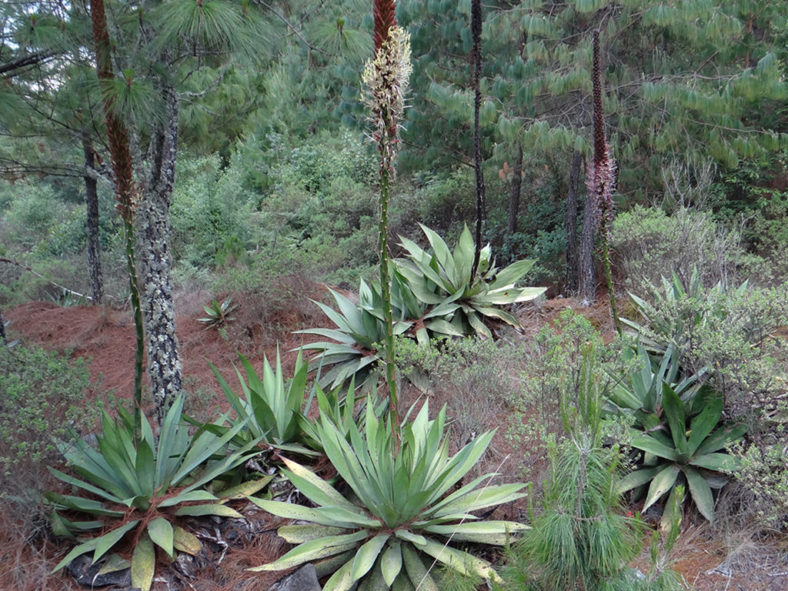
476, 33
2, 329
91, 203
572, 247
164, 363
514, 193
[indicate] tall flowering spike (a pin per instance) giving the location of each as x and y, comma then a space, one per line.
385, 83
117, 134
602, 174
385, 19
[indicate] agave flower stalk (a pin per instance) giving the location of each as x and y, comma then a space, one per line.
602, 177
125, 194
385, 80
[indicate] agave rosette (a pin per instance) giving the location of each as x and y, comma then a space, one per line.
400, 510
443, 279
688, 446
142, 487
269, 409
352, 352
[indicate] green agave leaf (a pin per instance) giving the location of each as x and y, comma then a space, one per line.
513, 273
143, 564
677, 419
209, 509
499, 314
483, 532
367, 555
298, 534
701, 493
342, 579
478, 325
107, 541
186, 497
83, 505
703, 424
184, 541
720, 438
328, 566
475, 500
245, 489
113, 563
84, 548
715, 461
661, 484
391, 563
649, 444
459, 560
443, 255
301, 513
314, 550
636, 478
417, 573
84, 486
414, 539
161, 533
315, 488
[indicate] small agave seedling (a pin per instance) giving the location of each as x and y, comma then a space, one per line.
218, 314
401, 509
142, 488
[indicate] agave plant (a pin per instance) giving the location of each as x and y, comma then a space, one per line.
400, 508
641, 393
359, 330
444, 277
269, 411
218, 314
673, 316
685, 447
139, 489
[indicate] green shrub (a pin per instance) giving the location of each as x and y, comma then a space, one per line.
649, 244
212, 215
42, 403
550, 365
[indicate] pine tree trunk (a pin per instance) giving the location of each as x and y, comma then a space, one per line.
587, 277
91, 203
2, 329
164, 363
476, 33
572, 247
514, 194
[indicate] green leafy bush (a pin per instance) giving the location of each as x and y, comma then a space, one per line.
649, 244
727, 333
43, 403
213, 218
143, 486
399, 508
